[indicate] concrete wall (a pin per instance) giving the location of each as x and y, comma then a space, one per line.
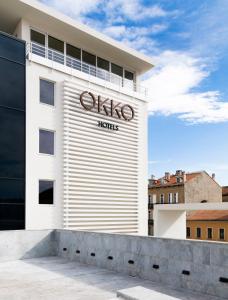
21, 244
202, 187
155, 259
136, 256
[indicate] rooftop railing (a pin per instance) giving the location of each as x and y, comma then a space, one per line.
81, 66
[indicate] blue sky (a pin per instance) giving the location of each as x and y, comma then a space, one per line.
188, 41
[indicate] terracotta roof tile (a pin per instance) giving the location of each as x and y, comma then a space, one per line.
173, 179
208, 215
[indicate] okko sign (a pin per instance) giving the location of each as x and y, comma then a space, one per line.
112, 109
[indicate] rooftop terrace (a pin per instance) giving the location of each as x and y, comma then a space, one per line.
58, 278
62, 264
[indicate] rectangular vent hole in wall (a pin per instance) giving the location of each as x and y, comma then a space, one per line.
223, 279
131, 262
186, 272
156, 267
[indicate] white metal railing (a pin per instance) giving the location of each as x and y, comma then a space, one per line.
77, 64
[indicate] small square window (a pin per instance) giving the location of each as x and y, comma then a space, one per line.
103, 64
46, 142
73, 51
55, 44
115, 69
47, 92
46, 192
37, 37
128, 75
88, 58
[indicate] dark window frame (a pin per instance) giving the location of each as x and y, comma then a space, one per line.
209, 233
188, 232
58, 40
89, 54
54, 92
129, 72
54, 137
69, 46
53, 192
115, 65
37, 32
198, 232
100, 60
223, 235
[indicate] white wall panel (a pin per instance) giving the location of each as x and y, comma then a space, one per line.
101, 184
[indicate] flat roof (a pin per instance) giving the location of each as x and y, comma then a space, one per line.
12, 11
58, 278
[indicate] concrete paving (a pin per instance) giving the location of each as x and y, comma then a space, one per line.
54, 278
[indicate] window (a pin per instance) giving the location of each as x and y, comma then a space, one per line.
46, 192
37, 37
55, 44
128, 75
46, 142
115, 69
179, 180
88, 58
73, 51
175, 198
47, 92
221, 233
188, 233
149, 198
162, 198
209, 233
170, 198
154, 198
103, 64
198, 232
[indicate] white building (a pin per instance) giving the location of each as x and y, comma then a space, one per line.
86, 126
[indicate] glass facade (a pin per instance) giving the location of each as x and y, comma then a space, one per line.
12, 133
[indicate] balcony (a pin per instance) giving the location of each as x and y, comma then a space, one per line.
76, 64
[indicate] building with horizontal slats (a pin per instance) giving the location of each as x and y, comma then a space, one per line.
84, 140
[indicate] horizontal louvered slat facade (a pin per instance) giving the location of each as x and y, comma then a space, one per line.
100, 166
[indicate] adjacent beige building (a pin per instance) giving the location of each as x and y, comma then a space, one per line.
182, 187
225, 194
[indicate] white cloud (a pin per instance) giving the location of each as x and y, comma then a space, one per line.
174, 81
171, 90
72, 8
133, 10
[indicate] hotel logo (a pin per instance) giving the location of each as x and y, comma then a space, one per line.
106, 106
